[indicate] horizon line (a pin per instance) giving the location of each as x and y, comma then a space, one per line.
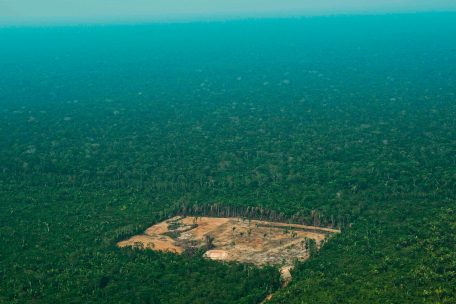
212, 18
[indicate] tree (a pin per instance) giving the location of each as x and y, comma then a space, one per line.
209, 242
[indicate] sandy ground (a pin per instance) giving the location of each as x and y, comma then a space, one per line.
285, 273
164, 243
216, 254
234, 239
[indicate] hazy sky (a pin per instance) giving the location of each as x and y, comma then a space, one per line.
80, 11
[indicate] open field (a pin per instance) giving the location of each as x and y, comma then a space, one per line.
234, 239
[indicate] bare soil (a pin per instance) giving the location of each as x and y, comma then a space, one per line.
234, 239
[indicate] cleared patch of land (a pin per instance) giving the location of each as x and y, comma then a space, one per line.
234, 239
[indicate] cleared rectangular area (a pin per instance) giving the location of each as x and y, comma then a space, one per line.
234, 239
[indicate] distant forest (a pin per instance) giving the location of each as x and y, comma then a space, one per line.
341, 122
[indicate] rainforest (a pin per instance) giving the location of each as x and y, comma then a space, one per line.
343, 123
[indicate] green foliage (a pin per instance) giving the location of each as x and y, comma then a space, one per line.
107, 130
402, 255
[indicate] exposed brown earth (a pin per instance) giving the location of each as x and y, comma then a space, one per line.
234, 239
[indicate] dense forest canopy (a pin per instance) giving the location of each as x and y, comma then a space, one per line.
105, 130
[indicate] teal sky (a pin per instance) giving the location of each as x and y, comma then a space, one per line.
89, 11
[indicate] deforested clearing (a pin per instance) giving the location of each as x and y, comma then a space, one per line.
234, 239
